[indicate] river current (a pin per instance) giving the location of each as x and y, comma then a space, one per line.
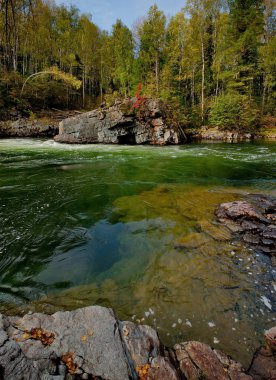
100, 224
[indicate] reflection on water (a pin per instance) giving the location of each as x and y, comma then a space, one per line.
133, 228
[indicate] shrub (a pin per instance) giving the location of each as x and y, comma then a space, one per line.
234, 111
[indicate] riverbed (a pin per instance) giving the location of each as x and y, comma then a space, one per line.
102, 224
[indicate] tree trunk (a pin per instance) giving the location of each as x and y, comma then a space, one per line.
83, 87
202, 81
157, 73
217, 86
193, 87
263, 97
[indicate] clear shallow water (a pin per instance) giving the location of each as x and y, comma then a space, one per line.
84, 225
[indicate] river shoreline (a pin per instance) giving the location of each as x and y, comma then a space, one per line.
91, 343
51, 125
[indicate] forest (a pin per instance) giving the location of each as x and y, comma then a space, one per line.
214, 62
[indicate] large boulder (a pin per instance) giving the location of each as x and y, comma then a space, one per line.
122, 123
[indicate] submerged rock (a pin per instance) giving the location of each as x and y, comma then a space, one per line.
192, 241
92, 343
122, 124
254, 221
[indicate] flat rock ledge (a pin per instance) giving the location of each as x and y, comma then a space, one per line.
254, 221
25, 127
91, 343
218, 134
122, 123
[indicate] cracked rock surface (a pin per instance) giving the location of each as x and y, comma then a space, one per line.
122, 124
91, 343
254, 221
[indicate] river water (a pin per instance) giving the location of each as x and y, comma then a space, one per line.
84, 225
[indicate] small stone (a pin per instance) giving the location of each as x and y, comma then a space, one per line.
251, 239
62, 369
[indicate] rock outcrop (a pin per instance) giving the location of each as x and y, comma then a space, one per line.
217, 134
91, 343
122, 124
28, 128
254, 222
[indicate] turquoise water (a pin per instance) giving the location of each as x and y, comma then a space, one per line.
84, 225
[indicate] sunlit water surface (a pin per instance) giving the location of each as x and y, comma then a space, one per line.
84, 225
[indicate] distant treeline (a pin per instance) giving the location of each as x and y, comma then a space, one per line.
213, 61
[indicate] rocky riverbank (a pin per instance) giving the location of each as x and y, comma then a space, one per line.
122, 123
91, 343
208, 133
43, 124
29, 128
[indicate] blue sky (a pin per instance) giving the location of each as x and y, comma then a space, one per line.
106, 12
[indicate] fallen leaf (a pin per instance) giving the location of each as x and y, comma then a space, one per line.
68, 360
143, 371
26, 336
46, 338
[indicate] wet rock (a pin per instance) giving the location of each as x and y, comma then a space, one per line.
144, 348
88, 342
239, 210
263, 366
141, 341
250, 238
198, 361
91, 343
122, 124
217, 232
252, 222
270, 338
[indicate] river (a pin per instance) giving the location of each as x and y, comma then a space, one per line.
95, 224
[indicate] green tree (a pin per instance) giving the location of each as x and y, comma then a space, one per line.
123, 46
246, 30
152, 33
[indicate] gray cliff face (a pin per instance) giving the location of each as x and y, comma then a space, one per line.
122, 124
91, 343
